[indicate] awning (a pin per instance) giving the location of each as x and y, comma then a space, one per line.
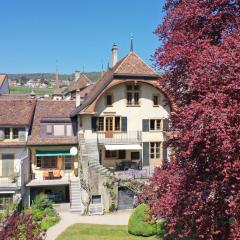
123, 147
41, 153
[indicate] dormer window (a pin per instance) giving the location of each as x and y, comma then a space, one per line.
59, 130
9, 133
133, 95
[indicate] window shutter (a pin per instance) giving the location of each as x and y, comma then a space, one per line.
2, 134
122, 154
94, 124
165, 151
165, 124
124, 124
145, 153
21, 134
145, 125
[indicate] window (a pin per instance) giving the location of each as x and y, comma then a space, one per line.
7, 133
69, 130
39, 161
5, 201
133, 92
15, 133
155, 150
101, 124
156, 100
7, 165
59, 130
110, 154
49, 162
155, 124
96, 199
109, 123
109, 100
68, 163
117, 124
122, 154
49, 130
135, 155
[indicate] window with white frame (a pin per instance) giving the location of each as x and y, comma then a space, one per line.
155, 152
109, 123
13, 133
155, 124
59, 130
133, 94
5, 201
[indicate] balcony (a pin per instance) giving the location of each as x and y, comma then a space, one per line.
119, 137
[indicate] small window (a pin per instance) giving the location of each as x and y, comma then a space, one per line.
101, 124
15, 133
96, 199
117, 124
49, 130
59, 130
135, 155
133, 93
155, 150
110, 154
109, 100
5, 201
122, 154
155, 124
7, 165
68, 163
69, 130
49, 162
7, 133
155, 100
39, 162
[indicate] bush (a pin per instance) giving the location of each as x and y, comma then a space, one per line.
140, 225
41, 202
49, 221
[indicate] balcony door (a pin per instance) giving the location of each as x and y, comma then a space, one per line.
7, 165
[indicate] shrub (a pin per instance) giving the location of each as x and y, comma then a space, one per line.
49, 221
41, 202
140, 224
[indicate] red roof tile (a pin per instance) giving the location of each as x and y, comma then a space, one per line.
16, 112
51, 109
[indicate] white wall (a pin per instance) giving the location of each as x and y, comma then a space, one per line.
134, 115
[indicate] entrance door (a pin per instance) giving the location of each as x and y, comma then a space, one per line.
125, 198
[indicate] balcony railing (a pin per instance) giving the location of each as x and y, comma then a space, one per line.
119, 137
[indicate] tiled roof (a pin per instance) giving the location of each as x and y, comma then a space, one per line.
17, 111
134, 65
129, 66
82, 82
2, 78
51, 109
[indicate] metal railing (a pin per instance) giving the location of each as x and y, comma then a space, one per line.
119, 137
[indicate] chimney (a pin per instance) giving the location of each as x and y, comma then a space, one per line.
114, 54
77, 75
78, 98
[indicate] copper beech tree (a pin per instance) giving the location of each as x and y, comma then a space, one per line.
198, 190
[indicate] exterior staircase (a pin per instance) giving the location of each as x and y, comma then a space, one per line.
90, 153
76, 195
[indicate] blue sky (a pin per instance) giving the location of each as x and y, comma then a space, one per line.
77, 33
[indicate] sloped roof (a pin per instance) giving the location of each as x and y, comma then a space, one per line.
51, 109
134, 65
80, 83
129, 66
2, 78
16, 111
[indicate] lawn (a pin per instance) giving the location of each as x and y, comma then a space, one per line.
99, 232
28, 90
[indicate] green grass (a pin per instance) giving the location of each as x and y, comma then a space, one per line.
99, 232
28, 90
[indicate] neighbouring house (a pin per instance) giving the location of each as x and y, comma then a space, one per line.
4, 86
122, 128
54, 155
81, 82
16, 115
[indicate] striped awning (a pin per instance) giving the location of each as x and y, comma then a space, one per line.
42, 153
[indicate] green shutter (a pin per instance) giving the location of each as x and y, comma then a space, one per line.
165, 124
94, 124
145, 153
165, 152
124, 124
145, 125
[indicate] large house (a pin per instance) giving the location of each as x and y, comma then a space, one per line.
4, 86
121, 127
16, 115
52, 145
